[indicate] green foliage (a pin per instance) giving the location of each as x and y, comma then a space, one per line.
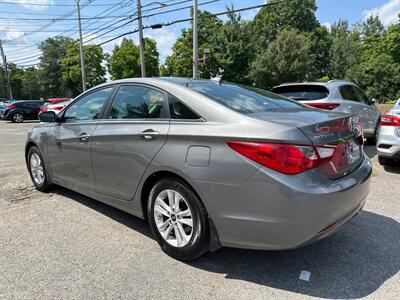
180, 62
71, 67
124, 62
54, 49
287, 59
270, 20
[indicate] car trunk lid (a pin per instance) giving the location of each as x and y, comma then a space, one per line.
326, 129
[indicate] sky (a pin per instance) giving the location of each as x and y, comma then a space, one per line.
25, 23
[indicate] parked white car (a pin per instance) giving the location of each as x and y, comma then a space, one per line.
388, 144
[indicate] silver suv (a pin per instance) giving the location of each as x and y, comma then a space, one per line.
336, 95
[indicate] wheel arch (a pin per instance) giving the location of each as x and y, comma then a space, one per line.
158, 175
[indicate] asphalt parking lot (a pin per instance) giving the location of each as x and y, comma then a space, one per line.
63, 245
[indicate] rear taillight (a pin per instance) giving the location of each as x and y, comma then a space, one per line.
284, 158
43, 108
322, 105
11, 106
57, 108
388, 120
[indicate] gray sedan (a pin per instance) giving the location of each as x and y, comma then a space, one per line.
388, 144
207, 163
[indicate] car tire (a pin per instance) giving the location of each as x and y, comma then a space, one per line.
384, 161
17, 118
177, 238
37, 170
372, 140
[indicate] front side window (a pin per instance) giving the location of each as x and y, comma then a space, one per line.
361, 95
88, 107
137, 102
244, 99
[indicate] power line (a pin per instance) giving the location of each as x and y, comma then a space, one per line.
49, 4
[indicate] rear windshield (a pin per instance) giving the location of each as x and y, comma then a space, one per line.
243, 99
302, 91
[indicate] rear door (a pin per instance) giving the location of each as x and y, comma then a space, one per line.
356, 104
124, 144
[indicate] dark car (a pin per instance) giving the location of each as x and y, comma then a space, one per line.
19, 111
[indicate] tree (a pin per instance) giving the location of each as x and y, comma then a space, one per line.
235, 51
271, 19
71, 67
54, 50
373, 25
345, 49
180, 63
378, 71
124, 62
287, 59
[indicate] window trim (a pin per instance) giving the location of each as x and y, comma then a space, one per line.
165, 113
62, 117
199, 119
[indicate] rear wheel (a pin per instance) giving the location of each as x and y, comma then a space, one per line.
17, 118
178, 220
37, 170
385, 160
372, 140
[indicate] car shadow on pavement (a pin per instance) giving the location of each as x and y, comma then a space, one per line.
370, 151
353, 263
350, 264
394, 168
120, 216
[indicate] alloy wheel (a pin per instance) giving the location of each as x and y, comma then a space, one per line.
37, 168
18, 118
173, 218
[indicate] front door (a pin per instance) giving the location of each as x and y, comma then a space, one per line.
70, 146
124, 145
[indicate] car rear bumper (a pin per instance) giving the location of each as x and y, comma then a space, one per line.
388, 144
273, 211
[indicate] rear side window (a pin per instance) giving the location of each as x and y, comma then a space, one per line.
178, 110
243, 99
137, 102
348, 92
302, 91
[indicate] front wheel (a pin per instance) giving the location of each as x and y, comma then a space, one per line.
17, 118
37, 170
178, 220
384, 161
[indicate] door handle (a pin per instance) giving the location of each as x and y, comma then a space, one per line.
349, 106
365, 108
149, 134
84, 137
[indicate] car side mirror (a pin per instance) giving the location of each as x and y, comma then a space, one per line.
49, 117
373, 101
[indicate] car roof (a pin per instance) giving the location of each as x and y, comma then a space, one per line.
327, 84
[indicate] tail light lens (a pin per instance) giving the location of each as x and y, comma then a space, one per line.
43, 108
322, 105
57, 108
11, 106
388, 120
284, 158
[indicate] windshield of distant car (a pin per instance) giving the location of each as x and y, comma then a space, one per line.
243, 99
302, 91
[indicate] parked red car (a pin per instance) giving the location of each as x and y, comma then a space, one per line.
56, 100
56, 107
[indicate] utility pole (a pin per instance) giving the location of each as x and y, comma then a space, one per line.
9, 91
195, 41
81, 47
141, 40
